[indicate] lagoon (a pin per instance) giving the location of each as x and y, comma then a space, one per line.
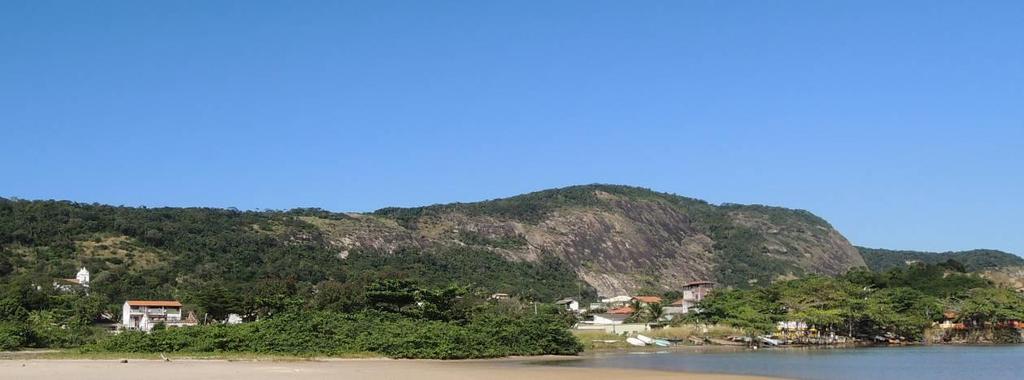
875, 363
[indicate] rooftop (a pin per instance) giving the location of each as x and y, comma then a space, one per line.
696, 283
648, 299
154, 303
622, 310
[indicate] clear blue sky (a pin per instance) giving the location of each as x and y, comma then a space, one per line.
902, 123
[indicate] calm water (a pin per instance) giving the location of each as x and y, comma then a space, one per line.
877, 363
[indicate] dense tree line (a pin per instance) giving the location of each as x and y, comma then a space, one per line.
393, 318
901, 302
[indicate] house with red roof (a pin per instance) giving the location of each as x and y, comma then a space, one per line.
647, 300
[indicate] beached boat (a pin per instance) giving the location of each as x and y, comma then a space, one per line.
635, 342
662, 343
645, 339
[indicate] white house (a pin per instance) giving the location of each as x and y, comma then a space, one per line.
609, 319
233, 319
617, 301
81, 281
569, 304
144, 315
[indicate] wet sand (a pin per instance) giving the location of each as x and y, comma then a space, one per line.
358, 369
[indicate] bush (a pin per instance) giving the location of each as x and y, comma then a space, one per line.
325, 333
12, 336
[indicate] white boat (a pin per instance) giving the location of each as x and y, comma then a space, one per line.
645, 339
769, 341
635, 342
662, 343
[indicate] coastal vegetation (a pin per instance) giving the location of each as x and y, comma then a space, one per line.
444, 261
388, 318
334, 334
900, 303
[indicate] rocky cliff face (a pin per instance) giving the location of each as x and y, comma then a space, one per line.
618, 239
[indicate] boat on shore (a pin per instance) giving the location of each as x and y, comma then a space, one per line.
635, 342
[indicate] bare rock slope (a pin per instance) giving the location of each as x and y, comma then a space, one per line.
618, 239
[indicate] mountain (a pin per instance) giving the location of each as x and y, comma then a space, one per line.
577, 240
621, 239
973, 260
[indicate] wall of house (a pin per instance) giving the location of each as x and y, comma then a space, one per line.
624, 328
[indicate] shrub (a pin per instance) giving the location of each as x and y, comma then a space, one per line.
326, 333
12, 336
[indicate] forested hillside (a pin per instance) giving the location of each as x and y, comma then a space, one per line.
229, 259
974, 260
574, 241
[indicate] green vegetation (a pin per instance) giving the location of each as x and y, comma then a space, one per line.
394, 318
975, 260
333, 334
902, 302
221, 261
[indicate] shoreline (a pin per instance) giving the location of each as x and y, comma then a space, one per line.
357, 369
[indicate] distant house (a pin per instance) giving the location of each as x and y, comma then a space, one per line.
233, 319
569, 304
499, 296
697, 290
609, 319
144, 315
693, 293
617, 301
647, 300
625, 310
81, 281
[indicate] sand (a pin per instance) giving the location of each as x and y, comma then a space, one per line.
369, 369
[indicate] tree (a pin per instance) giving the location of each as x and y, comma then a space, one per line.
754, 311
986, 305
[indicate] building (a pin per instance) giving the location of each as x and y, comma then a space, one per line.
647, 300
609, 319
693, 293
500, 296
697, 290
144, 315
617, 301
625, 310
569, 304
81, 281
234, 319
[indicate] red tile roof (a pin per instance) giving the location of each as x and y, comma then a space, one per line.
154, 303
622, 310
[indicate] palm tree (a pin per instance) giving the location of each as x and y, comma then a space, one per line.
655, 311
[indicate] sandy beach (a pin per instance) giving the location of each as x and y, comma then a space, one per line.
372, 369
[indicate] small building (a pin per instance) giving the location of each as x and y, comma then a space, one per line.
647, 300
233, 319
617, 301
500, 296
569, 304
609, 319
625, 310
144, 315
81, 281
674, 310
696, 291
